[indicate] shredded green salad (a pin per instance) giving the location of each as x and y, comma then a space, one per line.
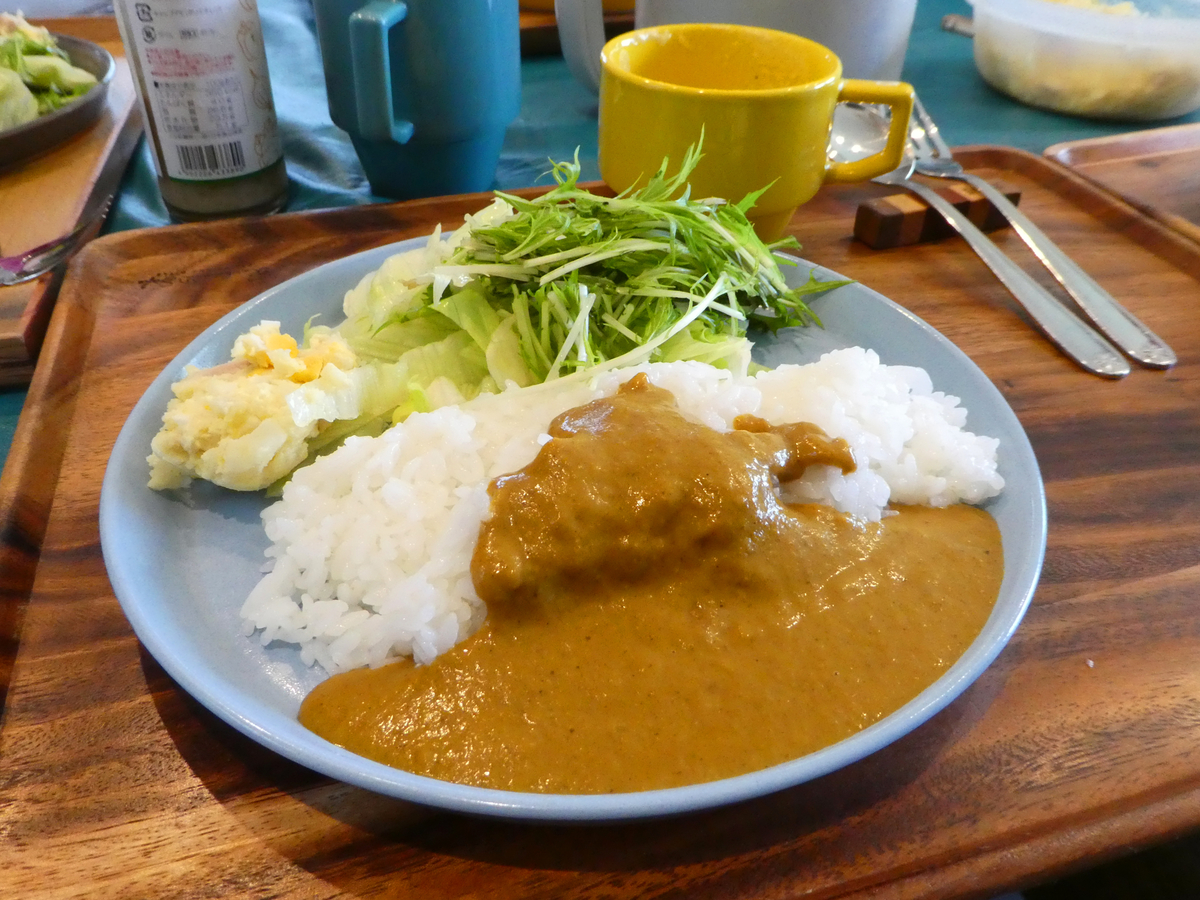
36, 76
533, 290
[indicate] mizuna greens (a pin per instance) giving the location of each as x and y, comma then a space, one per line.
591, 278
570, 280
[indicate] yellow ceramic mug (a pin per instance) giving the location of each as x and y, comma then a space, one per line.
764, 99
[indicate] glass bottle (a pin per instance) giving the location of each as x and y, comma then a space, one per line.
201, 74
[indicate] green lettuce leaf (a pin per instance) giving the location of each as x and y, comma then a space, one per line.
17, 103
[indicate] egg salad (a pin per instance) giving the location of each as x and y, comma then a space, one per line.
235, 425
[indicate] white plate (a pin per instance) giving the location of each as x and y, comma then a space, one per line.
181, 563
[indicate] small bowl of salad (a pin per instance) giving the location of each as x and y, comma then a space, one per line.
52, 86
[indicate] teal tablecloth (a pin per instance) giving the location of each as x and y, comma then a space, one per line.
558, 116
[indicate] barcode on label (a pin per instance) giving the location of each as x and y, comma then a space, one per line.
208, 159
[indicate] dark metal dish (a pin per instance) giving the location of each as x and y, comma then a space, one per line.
50, 130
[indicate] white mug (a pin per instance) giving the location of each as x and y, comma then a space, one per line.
869, 36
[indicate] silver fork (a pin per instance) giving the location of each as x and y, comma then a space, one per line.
933, 158
41, 259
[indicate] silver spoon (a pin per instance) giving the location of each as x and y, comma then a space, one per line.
41, 259
1123, 328
860, 130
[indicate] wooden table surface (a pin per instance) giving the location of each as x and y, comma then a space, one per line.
1080, 742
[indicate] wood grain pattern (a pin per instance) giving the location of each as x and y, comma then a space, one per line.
43, 197
1157, 170
1082, 741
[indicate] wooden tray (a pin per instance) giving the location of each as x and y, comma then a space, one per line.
1157, 170
43, 197
1081, 742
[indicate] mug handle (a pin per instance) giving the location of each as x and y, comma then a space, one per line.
898, 96
581, 36
370, 64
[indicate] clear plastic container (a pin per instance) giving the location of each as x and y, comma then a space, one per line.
1134, 60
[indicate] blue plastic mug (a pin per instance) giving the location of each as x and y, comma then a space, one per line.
425, 88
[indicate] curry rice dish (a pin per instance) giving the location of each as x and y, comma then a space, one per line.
658, 614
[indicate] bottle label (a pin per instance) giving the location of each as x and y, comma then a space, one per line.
206, 86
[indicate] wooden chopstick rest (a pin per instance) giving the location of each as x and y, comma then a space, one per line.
900, 220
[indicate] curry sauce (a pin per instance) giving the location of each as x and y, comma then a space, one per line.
658, 617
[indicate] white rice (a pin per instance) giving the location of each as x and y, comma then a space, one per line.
371, 545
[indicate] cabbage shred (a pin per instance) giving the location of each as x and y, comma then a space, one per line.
36, 76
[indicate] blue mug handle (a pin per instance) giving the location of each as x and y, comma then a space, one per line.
371, 65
